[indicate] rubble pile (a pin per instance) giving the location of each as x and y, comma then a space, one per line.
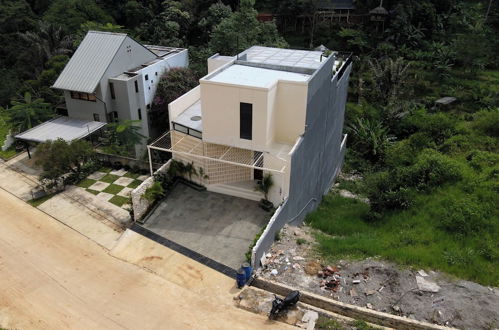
379, 285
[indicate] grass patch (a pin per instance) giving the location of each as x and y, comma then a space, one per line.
410, 237
85, 183
95, 192
324, 323
38, 201
134, 184
104, 169
109, 178
113, 189
7, 154
119, 200
131, 175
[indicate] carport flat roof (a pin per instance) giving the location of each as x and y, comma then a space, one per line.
65, 128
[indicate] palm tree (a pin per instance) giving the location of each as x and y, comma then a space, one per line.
48, 40
123, 136
388, 78
26, 113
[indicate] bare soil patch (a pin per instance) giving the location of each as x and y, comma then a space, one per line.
428, 296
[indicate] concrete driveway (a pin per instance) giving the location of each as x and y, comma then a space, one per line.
217, 226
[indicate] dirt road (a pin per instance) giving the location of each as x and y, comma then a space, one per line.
51, 277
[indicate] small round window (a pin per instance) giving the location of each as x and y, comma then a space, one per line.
196, 118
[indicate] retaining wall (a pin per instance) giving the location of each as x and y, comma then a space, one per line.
141, 205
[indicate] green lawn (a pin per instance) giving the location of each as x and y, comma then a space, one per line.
4, 130
39, 201
132, 175
134, 184
410, 237
119, 200
95, 192
85, 183
109, 178
113, 189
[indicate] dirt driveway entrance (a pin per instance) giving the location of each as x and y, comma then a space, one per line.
54, 278
217, 226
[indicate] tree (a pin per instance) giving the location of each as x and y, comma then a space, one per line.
216, 14
95, 26
26, 113
169, 27
242, 30
120, 138
172, 85
59, 157
389, 79
71, 14
46, 41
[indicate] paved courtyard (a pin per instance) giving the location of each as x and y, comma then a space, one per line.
217, 226
113, 186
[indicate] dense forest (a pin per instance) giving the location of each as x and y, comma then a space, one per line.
430, 170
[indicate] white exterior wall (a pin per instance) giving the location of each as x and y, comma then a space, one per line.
290, 111
81, 109
220, 108
178, 106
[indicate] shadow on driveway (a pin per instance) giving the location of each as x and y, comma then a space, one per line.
217, 226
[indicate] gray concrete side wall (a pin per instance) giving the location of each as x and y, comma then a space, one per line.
318, 156
141, 205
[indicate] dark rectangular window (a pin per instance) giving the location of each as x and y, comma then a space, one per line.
96, 117
136, 86
147, 77
111, 88
245, 120
83, 96
139, 113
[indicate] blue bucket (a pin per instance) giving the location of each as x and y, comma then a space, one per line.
241, 278
247, 270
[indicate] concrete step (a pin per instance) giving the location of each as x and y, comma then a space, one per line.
235, 190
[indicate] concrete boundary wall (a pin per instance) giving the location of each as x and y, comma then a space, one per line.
352, 311
141, 205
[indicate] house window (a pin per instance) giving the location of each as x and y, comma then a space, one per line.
83, 96
111, 88
245, 120
96, 117
156, 73
139, 113
136, 86
147, 77
113, 116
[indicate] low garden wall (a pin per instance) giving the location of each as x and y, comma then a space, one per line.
124, 161
141, 205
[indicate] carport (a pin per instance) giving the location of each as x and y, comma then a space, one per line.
65, 128
217, 226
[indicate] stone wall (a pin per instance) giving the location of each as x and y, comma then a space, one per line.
141, 205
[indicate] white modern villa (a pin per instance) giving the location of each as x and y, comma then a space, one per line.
267, 110
110, 77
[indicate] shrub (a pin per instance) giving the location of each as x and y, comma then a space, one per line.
464, 216
487, 122
431, 170
154, 192
481, 160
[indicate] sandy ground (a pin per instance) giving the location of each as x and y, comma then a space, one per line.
54, 278
382, 285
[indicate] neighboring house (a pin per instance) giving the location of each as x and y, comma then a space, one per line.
268, 110
112, 77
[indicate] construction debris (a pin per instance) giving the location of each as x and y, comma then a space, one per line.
383, 285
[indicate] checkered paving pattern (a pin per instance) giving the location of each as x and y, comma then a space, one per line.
113, 186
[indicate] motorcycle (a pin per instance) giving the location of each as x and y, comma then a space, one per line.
279, 305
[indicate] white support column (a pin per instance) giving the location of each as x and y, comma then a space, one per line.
150, 160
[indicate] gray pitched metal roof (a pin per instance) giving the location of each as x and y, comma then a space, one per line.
90, 61
65, 128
